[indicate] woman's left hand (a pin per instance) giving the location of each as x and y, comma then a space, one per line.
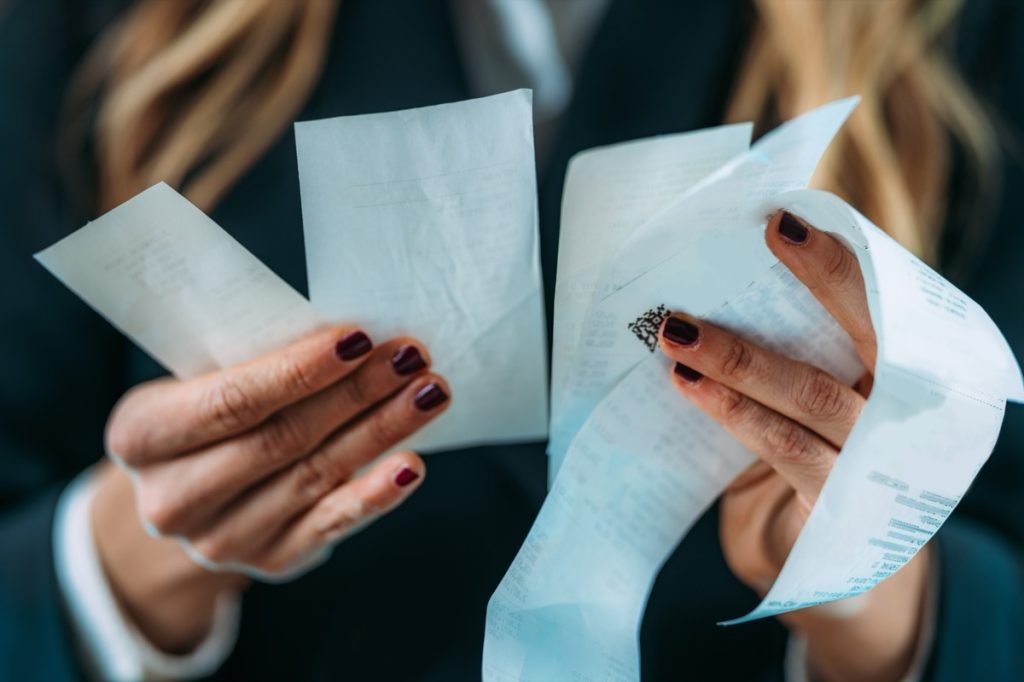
795, 418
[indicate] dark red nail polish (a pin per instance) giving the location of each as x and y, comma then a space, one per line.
429, 397
792, 230
407, 360
687, 373
353, 345
681, 332
405, 477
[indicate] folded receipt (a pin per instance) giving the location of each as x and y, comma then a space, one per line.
635, 465
419, 222
424, 222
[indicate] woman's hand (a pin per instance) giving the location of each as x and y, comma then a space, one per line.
795, 418
255, 467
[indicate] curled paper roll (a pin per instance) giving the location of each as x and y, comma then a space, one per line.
640, 465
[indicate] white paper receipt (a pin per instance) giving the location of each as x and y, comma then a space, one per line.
608, 192
178, 285
418, 222
640, 465
424, 222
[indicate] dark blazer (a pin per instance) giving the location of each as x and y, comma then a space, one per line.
406, 599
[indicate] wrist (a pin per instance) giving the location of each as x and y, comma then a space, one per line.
167, 597
877, 637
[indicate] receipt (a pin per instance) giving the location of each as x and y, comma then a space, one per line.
609, 191
182, 288
424, 222
640, 472
644, 464
942, 378
727, 201
418, 222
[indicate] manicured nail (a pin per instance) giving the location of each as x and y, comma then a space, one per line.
405, 477
353, 345
429, 397
407, 360
792, 230
687, 373
681, 332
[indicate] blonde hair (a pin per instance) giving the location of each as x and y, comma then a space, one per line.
892, 159
192, 92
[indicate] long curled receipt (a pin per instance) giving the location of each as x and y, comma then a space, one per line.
421, 221
642, 464
431, 215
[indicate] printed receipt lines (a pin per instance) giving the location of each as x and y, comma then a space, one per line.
424, 222
419, 222
637, 465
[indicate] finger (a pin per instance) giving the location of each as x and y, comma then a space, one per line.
161, 419
263, 510
830, 271
182, 494
801, 457
802, 392
349, 508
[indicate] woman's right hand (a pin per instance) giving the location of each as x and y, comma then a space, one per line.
255, 466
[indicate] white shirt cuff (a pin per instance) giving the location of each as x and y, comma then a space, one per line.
796, 668
110, 646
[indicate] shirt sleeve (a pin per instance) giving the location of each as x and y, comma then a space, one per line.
110, 647
796, 668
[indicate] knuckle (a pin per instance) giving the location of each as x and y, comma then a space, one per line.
121, 440
839, 266
281, 437
273, 566
295, 377
228, 404
356, 390
312, 477
736, 360
383, 430
164, 516
787, 441
820, 396
124, 432
734, 407
339, 519
214, 548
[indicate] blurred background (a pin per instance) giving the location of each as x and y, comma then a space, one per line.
100, 99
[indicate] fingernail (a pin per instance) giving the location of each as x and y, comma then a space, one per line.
681, 332
429, 397
792, 230
353, 345
687, 373
405, 476
407, 360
